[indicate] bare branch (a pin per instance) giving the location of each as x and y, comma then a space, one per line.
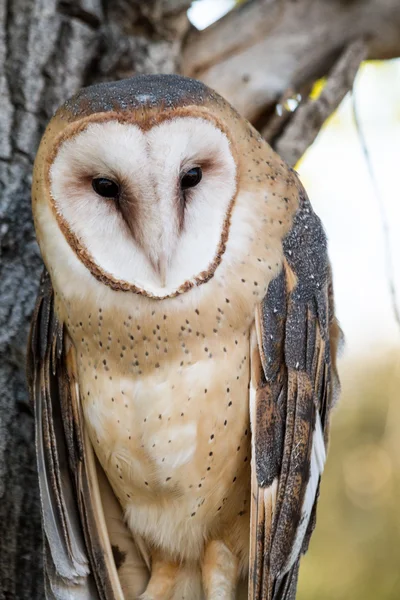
264, 47
309, 118
282, 114
238, 30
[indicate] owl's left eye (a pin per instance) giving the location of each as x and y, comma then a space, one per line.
105, 187
191, 178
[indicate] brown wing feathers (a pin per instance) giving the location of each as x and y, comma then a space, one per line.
79, 563
60, 451
292, 403
65, 556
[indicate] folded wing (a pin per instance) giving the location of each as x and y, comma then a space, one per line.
79, 559
294, 384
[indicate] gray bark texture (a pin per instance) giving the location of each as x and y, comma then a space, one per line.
263, 53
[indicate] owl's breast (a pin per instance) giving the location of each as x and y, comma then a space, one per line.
174, 429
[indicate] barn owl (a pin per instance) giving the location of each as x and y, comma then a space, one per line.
182, 350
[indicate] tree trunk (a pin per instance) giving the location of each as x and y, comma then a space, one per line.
263, 51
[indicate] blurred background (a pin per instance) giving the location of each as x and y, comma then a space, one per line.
355, 550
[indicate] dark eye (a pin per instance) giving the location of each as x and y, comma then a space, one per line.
105, 187
191, 178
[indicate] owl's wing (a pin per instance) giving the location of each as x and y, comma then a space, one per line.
78, 540
294, 385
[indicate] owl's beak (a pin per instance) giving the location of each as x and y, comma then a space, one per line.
161, 269
149, 233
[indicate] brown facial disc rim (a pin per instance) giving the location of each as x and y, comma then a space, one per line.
146, 119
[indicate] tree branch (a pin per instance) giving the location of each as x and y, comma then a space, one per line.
265, 47
308, 119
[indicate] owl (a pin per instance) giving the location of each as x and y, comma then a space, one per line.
182, 351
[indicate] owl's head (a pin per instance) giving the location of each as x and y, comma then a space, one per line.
141, 177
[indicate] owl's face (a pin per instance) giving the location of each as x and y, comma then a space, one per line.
149, 207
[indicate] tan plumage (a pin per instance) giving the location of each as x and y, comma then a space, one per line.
161, 309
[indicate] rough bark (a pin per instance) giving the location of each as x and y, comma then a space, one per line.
49, 49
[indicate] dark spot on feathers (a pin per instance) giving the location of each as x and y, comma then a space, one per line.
119, 556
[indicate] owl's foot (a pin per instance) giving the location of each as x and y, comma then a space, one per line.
162, 580
220, 572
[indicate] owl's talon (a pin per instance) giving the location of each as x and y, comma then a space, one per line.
220, 572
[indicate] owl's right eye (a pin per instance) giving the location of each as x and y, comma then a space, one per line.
105, 187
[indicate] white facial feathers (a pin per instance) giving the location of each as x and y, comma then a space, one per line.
157, 237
